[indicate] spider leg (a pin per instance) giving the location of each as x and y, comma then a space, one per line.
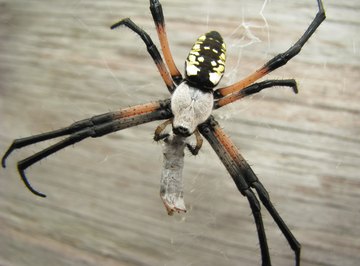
229, 154
158, 16
158, 135
94, 127
193, 149
199, 141
280, 59
265, 199
252, 89
152, 50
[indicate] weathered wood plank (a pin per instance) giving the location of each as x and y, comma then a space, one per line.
59, 63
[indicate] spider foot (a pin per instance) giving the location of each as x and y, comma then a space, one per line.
21, 170
124, 22
7, 153
193, 149
158, 137
15, 145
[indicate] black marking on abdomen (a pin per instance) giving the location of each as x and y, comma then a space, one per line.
205, 64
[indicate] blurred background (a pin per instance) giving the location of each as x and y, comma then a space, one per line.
60, 62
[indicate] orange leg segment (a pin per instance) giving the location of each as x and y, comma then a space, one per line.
93, 127
246, 180
279, 60
152, 49
157, 13
255, 88
242, 83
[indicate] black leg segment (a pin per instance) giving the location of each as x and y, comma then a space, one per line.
225, 150
245, 179
158, 17
283, 58
151, 48
75, 127
277, 61
94, 127
252, 89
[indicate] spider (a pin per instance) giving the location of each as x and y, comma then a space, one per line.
188, 110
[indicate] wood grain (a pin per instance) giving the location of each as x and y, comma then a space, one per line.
60, 62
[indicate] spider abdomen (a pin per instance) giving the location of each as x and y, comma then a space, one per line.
205, 64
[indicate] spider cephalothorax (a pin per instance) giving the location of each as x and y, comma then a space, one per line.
189, 111
190, 107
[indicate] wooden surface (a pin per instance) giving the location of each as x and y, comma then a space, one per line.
60, 62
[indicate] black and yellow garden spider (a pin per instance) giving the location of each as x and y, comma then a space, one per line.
188, 110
